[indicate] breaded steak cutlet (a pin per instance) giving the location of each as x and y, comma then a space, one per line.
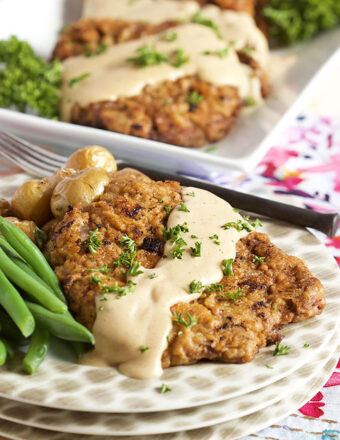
231, 326
163, 112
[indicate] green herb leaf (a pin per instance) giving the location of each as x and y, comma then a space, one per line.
281, 350
194, 98
215, 239
147, 56
127, 257
195, 286
235, 295
178, 58
199, 19
196, 251
169, 36
134, 269
249, 101
120, 290
214, 287
95, 279
40, 237
258, 259
183, 207
103, 269
167, 209
178, 319
92, 243
165, 388
270, 367
100, 49
152, 276
227, 267
306, 345
191, 194
193, 236
143, 348
101, 308
74, 81
219, 53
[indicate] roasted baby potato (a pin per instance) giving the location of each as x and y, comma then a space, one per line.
92, 157
32, 201
81, 189
5, 208
26, 226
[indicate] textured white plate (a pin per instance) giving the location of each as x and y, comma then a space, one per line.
164, 422
242, 149
81, 388
226, 431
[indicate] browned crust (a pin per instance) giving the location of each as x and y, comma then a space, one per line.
276, 292
162, 113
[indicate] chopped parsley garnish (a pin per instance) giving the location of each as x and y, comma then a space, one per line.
165, 388
235, 295
269, 366
103, 269
95, 279
74, 81
240, 225
93, 242
167, 209
306, 346
211, 148
178, 319
191, 194
134, 269
227, 267
219, 53
183, 208
248, 50
161, 201
127, 257
180, 333
120, 290
281, 350
178, 250
104, 297
100, 49
147, 56
196, 251
193, 236
215, 239
195, 286
258, 259
143, 348
178, 58
199, 19
249, 101
214, 287
101, 308
152, 276
169, 36
194, 98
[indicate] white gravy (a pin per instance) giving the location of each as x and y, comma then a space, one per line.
143, 318
110, 75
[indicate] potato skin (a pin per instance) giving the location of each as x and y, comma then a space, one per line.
26, 226
92, 157
32, 201
80, 189
5, 208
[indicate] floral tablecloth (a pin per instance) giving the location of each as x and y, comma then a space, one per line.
301, 168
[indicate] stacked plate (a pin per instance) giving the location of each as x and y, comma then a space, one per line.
212, 401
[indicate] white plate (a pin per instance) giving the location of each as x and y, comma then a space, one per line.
242, 149
82, 388
226, 431
164, 422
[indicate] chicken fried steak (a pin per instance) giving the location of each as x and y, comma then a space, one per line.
235, 317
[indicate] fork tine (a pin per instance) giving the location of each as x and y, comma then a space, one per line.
30, 169
48, 156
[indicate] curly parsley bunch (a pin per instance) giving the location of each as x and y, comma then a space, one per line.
291, 21
27, 81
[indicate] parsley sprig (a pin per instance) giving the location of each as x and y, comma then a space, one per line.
127, 257
92, 243
195, 286
199, 19
103, 269
178, 58
227, 267
281, 350
194, 98
74, 81
235, 295
240, 225
196, 251
178, 319
219, 53
120, 290
147, 56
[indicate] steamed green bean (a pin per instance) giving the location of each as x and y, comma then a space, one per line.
37, 351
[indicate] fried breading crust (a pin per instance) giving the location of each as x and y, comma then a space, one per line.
272, 293
162, 113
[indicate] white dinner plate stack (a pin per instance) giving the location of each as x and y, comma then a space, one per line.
208, 401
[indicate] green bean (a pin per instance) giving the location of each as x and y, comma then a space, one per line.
30, 285
39, 345
15, 306
9, 329
19, 261
31, 254
61, 325
3, 353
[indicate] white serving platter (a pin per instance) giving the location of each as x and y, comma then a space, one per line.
39, 21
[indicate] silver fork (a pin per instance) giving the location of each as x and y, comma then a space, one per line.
35, 160
41, 163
